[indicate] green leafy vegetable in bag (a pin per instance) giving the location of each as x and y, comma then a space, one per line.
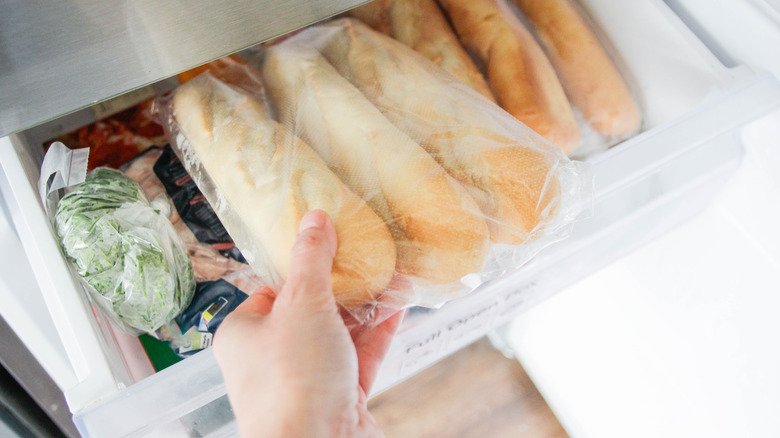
126, 251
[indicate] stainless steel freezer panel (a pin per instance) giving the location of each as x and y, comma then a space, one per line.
57, 57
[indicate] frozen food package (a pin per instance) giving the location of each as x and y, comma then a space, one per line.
191, 205
585, 66
125, 250
525, 186
433, 189
194, 328
261, 179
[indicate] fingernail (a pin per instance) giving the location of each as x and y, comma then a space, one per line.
311, 219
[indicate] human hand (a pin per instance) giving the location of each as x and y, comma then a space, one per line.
289, 363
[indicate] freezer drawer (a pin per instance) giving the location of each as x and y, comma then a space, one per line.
643, 187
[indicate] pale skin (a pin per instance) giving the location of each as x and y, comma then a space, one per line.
290, 365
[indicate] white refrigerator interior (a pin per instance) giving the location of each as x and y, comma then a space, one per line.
678, 339
24, 308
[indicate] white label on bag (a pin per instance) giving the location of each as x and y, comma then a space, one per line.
197, 341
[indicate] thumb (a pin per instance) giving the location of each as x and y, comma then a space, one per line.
311, 260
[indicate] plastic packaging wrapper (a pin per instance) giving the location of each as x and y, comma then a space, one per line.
212, 252
604, 97
421, 25
548, 63
160, 173
125, 250
433, 190
192, 206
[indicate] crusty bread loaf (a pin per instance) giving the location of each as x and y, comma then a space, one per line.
439, 233
271, 178
510, 170
520, 75
421, 25
588, 75
375, 14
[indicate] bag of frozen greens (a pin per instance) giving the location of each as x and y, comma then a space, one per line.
126, 250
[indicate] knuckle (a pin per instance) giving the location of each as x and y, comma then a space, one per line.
308, 242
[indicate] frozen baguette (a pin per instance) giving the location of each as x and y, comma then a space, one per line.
421, 25
438, 230
520, 75
375, 14
510, 170
271, 179
588, 75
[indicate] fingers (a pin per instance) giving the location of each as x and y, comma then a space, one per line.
311, 260
255, 307
366, 423
244, 317
371, 347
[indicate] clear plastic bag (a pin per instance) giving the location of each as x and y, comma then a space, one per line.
605, 100
125, 250
548, 63
212, 252
432, 188
261, 179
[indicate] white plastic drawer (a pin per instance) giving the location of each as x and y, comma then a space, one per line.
643, 187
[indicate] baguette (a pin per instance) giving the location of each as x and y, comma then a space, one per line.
271, 179
421, 25
438, 230
520, 75
509, 170
588, 75
375, 14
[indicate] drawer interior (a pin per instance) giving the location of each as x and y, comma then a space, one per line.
677, 80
